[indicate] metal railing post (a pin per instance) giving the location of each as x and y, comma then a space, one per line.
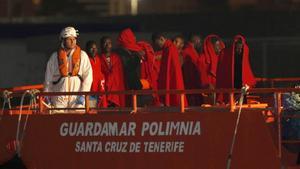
40, 104
134, 103
278, 110
182, 106
87, 103
231, 102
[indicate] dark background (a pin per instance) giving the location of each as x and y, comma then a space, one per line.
29, 29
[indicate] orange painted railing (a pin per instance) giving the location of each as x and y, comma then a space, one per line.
258, 79
273, 81
291, 79
23, 88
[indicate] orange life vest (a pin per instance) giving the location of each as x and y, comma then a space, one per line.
63, 62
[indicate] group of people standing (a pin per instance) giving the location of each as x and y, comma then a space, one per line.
164, 64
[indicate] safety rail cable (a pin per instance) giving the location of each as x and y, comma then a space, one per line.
33, 106
241, 100
32, 94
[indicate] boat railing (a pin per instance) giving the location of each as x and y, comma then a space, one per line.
232, 94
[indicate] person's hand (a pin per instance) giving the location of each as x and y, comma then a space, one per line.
212, 73
245, 89
141, 55
80, 100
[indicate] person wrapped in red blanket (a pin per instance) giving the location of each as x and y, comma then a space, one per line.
98, 77
234, 69
170, 74
112, 69
193, 68
139, 64
213, 45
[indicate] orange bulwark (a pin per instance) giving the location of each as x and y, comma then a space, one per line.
147, 137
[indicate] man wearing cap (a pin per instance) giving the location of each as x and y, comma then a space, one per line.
68, 70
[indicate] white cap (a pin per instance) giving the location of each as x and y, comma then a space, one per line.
67, 32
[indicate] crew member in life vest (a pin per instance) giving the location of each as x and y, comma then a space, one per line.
68, 70
98, 77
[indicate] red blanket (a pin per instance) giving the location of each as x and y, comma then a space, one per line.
192, 73
170, 74
226, 70
157, 62
114, 78
211, 58
98, 79
149, 70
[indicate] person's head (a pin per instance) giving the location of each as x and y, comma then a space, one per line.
196, 41
239, 47
68, 37
217, 45
105, 44
178, 41
91, 48
159, 39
